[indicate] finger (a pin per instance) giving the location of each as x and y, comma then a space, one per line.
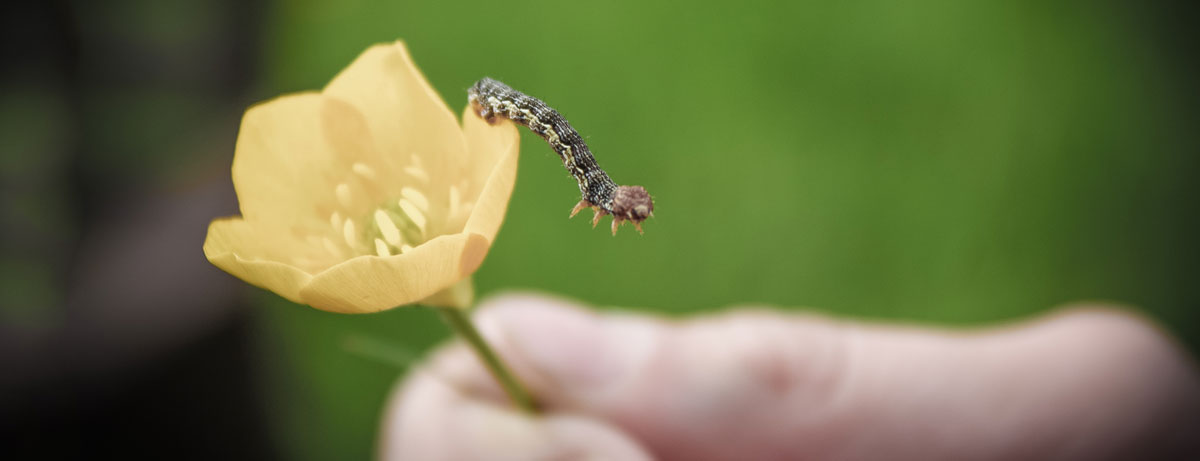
431, 418
1082, 383
751, 384
777, 386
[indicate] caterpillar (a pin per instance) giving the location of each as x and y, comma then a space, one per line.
491, 99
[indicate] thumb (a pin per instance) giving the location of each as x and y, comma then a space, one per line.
431, 419
769, 382
766, 385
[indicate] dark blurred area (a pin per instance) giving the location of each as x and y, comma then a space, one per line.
116, 339
118, 121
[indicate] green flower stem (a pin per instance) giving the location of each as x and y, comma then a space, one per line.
458, 320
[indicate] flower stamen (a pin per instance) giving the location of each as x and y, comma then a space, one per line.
454, 198
414, 214
416, 197
381, 248
363, 170
350, 233
417, 172
386, 227
335, 221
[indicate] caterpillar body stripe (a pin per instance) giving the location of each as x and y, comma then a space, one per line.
490, 99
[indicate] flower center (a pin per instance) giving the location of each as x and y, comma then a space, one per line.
402, 222
392, 228
398, 226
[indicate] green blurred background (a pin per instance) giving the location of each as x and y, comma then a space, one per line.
957, 163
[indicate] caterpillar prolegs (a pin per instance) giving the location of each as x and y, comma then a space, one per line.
490, 99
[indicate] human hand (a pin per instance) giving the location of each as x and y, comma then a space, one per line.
1083, 383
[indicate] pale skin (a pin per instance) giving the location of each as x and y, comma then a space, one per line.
1084, 382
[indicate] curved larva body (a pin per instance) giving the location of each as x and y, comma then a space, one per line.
490, 99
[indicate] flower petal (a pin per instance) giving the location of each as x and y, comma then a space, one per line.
373, 283
494, 149
406, 116
234, 246
303, 160
277, 146
296, 154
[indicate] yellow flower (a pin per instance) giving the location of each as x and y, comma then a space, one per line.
367, 195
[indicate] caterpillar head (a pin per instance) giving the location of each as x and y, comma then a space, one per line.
631, 203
